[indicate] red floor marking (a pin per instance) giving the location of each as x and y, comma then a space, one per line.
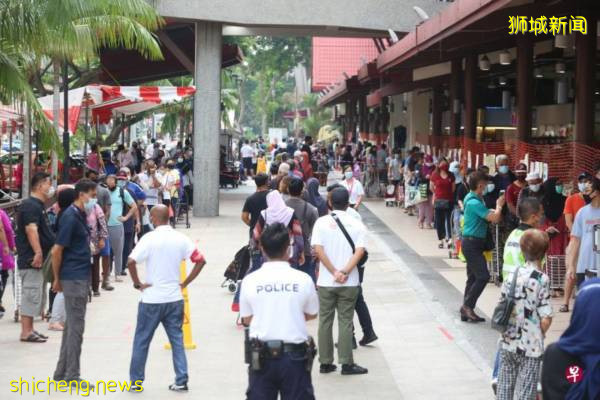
445, 333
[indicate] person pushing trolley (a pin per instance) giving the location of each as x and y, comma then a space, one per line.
275, 303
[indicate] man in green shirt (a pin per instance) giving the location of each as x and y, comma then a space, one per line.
530, 213
477, 219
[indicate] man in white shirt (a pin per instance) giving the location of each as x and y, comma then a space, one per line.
338, 281
276, 301
162, 250
247, 153
150, 180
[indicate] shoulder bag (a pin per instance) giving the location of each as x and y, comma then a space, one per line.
365, 256
505, 306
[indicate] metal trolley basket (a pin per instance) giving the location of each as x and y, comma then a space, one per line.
556, 269
494, 263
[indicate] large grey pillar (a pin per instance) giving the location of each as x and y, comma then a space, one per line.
207, 118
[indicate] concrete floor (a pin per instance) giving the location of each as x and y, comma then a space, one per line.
422, 352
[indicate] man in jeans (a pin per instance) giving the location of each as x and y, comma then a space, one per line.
34, 241
71, 266
338, 281
307, 214
163, 250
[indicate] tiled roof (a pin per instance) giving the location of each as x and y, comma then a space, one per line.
334, 56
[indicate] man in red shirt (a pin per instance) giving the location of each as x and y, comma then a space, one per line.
512, 195
573, 204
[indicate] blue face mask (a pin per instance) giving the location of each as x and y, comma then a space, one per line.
90, 204
559, 189
503, 169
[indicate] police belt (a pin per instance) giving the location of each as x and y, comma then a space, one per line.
274, 348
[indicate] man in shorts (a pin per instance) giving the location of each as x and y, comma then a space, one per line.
34, 241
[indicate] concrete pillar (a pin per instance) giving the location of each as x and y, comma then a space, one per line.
207, 117
585, 53
470, 94
524, 86
436, 111
455, 78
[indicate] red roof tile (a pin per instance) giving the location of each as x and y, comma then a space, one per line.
334, 56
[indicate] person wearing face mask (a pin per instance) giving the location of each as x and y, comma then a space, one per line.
504, 177
534, 187
354, 187
554, 220
476, 224
395, 168
34, 241
443, 187
122, 209
512, 195
98, 236
580, 252
71, 256
132, 226
170, 183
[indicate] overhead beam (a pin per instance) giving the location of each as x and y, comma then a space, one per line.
177, 51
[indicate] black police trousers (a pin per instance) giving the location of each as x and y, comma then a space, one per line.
285, 375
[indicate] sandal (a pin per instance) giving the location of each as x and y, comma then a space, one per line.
33, 338
441, 245
40, 335
564, 308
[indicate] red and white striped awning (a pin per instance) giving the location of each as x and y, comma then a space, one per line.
107, 102
10, 119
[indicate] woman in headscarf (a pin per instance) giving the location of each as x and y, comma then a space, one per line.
276, 212
315, 198
571, 367
423, 170
555, 224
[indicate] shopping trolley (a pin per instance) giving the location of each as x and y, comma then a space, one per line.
495, 258
17, 291
556, 269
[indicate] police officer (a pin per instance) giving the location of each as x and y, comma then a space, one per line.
275, 303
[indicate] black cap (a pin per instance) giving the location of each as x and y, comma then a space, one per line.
584, 175
340, 195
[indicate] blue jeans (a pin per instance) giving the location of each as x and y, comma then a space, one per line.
149, 316
285, 375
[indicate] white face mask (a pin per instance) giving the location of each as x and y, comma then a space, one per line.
535, 188
348, 174
51, 191
490, 187
581, 186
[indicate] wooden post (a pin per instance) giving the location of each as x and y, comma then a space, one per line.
585, 55
455, 98
470, 96
524, 86
436, 111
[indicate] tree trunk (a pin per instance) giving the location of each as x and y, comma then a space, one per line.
263, 124
26, 147
55, 117
118, 127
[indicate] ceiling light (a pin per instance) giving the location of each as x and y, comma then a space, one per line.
560, 67
538, 73
484, 63
505, 58
502, 81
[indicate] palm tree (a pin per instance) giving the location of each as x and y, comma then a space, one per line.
63, 30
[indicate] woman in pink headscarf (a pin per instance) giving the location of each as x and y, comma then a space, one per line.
278, 212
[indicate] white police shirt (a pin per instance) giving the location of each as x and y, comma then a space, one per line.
277, 297
328, 234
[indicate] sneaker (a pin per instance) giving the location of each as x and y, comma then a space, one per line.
353, 369
82, 384
178, 388
495, 385
370, 338
136, 388
96, 293
327, 368
123, 273
107, 286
